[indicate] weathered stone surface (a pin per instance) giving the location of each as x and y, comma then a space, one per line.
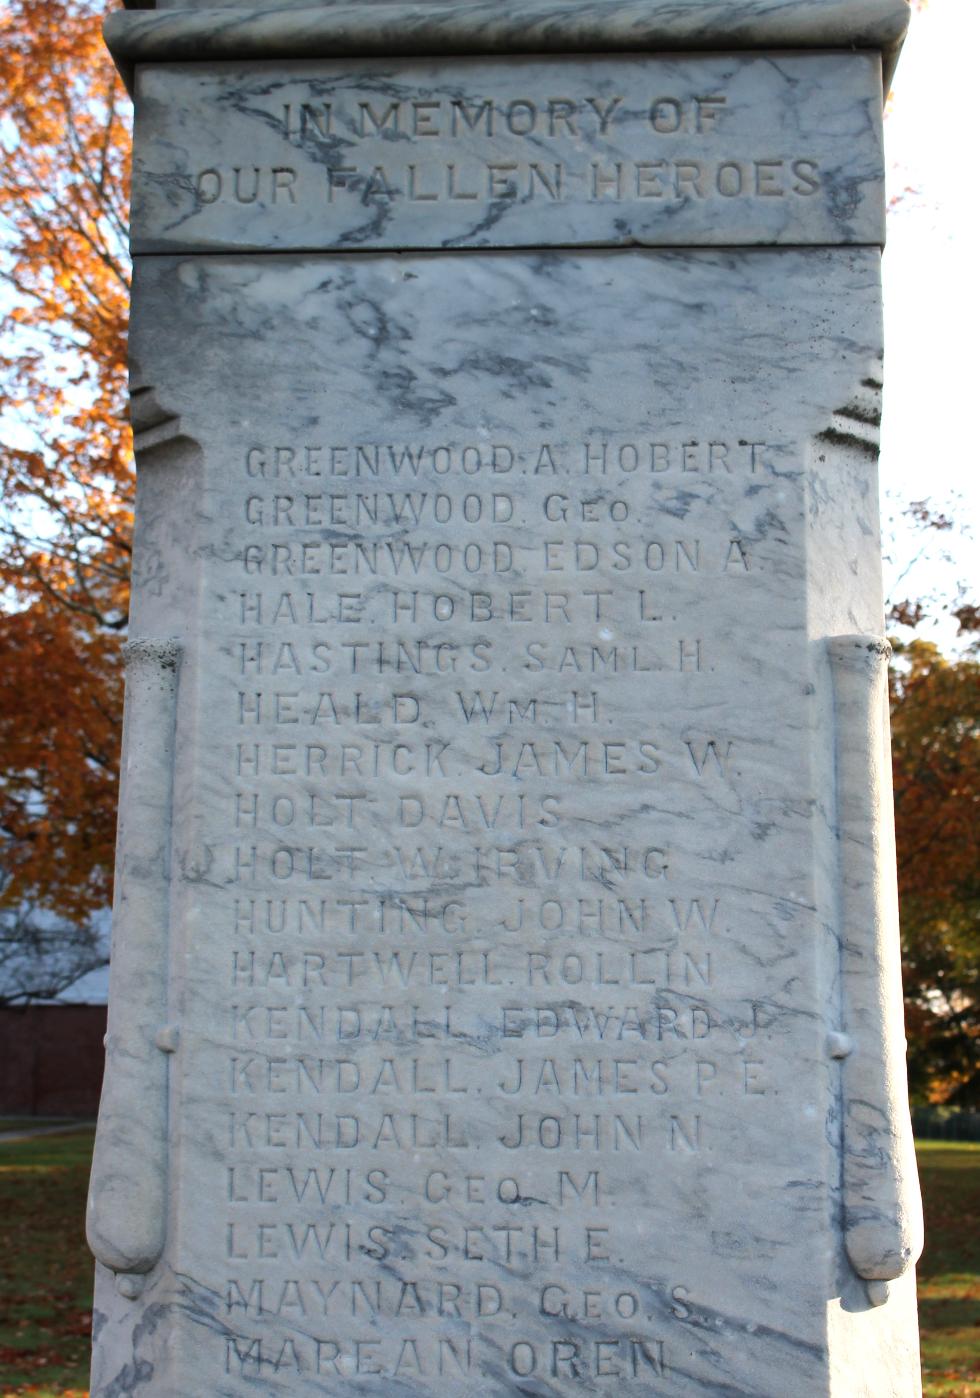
181, 31
505, 854
505, 986
527, 152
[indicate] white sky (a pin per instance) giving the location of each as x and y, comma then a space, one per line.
931, 308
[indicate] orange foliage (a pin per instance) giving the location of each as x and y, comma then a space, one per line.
65, 467
936, 751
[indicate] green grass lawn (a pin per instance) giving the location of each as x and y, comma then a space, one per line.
949, 1273
46, 1270
45, 1266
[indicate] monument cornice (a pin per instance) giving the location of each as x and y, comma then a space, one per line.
207, 33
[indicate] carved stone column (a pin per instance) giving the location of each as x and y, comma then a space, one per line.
505, 983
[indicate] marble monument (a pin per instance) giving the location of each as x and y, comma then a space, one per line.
505, 985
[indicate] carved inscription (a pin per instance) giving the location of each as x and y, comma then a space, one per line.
528, 124
483, 153
477, 997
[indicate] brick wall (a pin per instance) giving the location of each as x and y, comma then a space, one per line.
51, 1059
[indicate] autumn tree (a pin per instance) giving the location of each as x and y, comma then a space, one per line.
65, 463
936, 755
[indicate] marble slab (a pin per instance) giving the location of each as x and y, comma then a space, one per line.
514, 1023
181, 30
742, 149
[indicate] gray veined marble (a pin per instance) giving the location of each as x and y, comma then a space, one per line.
740, 149
182, 31
505, 992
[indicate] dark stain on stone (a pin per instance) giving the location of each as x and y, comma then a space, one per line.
848, 439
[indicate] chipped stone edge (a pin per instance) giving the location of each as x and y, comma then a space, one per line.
488, 27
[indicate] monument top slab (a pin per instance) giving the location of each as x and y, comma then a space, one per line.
200, 31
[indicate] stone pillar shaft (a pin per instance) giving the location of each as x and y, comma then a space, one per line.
511, 1005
